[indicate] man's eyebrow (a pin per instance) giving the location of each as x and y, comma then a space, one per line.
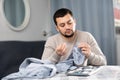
62, 23
69, 20
66, 21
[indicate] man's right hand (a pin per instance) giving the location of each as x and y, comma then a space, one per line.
61, 49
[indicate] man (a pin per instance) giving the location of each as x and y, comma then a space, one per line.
58, 47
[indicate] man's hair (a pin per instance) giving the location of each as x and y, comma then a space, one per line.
61, 13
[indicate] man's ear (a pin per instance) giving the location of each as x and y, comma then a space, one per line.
74, 21
57, 29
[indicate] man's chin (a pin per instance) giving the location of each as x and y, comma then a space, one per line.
68, 36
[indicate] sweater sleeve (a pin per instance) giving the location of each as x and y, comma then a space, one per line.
96, 57
49, 52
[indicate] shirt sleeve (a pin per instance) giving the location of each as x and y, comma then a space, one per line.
49, 52
96, 57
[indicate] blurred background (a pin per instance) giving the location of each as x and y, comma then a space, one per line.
26, 24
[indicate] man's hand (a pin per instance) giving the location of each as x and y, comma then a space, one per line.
85, 48
60, 50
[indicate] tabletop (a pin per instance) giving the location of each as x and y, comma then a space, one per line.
103, 73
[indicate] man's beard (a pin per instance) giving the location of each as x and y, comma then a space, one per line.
67, 36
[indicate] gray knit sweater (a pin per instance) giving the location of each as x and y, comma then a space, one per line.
96, 57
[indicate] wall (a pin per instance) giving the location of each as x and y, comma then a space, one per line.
39, 22
118, 48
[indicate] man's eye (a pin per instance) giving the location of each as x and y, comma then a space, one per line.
62, 25
69, 23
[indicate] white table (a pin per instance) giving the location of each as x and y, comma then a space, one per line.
104, 73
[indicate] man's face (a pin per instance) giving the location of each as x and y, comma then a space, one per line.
66, 25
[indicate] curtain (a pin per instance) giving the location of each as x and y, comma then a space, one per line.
94, 16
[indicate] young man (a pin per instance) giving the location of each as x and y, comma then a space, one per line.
58, 47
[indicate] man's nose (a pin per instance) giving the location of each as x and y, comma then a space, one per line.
67, 26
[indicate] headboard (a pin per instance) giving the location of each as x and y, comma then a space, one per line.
12, 54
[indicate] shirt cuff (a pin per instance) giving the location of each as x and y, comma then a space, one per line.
91, 56
54, 58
